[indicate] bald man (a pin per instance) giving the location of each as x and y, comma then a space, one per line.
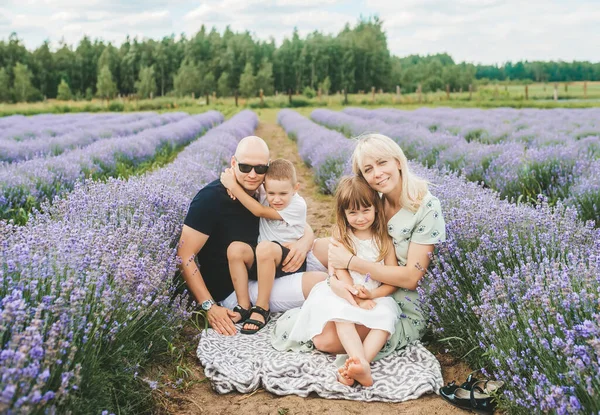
213, 222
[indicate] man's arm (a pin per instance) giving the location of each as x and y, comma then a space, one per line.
190, 243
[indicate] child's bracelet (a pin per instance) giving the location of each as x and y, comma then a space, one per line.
348, 266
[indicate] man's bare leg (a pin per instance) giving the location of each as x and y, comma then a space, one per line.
240, 258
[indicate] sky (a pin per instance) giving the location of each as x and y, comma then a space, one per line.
477, 31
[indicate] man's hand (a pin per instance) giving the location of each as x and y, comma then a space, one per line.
220, 319
228, 179
294, 259
366, 304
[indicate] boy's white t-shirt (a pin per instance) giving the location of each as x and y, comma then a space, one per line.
291, 228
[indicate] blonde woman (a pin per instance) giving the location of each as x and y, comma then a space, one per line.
415, 224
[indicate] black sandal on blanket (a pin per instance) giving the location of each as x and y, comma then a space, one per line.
259, 310
244, 313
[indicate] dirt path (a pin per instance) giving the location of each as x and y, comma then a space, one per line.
200, 398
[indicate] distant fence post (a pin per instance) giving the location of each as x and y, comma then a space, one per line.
207, 99
419, 92
584, 89
236, 97
262, 98
372, 94
345, 91
290, 96
566, 87
526, 92
556, 91
448, 92
470, 91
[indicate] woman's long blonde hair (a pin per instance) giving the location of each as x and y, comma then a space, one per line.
380, 146
354, 193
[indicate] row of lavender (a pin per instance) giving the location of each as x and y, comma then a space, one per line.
68, 134
90, 280
35, 181
565, 169
515, 288
328, 155
531, 127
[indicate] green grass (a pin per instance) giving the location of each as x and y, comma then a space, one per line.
485, 96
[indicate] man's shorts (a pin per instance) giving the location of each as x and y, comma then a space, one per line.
253, 271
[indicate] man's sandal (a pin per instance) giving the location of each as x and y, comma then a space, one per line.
259, 310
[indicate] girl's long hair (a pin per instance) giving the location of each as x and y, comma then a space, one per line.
354, 193
380, 146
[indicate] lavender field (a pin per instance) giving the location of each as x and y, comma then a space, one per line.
519, 153
86, 288
46, 155
515, 289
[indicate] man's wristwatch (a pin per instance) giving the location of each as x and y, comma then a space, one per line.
206, 305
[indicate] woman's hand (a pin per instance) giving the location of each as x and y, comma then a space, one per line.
338, 255
363, 292
343, 290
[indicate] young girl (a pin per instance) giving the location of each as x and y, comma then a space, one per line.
361, 227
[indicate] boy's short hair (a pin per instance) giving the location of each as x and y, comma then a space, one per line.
282, 169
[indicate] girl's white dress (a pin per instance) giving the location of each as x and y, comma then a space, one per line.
323, 305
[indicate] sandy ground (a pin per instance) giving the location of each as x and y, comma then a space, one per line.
200, 398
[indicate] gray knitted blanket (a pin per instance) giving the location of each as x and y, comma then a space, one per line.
243, 363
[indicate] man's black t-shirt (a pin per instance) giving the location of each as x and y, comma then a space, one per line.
224, 220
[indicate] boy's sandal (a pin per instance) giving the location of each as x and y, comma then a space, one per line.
244, 313
259, 310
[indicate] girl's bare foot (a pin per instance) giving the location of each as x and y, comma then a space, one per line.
359, 371
343, 377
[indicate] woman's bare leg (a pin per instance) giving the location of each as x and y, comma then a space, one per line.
310, 279
328, 340
320, 250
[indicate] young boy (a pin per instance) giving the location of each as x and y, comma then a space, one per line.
282, 213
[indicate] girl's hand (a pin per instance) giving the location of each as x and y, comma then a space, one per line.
228, 179
363, 292
338, 255
366, 304
343, 290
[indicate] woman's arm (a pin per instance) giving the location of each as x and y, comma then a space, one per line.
254, 206
399, 276
384, 289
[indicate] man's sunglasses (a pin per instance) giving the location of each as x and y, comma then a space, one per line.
258, 169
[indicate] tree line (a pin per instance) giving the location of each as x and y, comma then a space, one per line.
356, 59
